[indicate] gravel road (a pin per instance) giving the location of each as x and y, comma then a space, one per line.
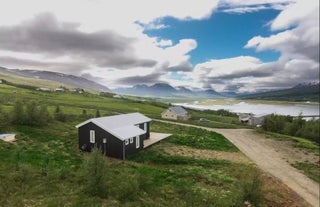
270, 160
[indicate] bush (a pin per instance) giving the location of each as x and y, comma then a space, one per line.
4, 120
59, 115
292, 126
93, 174
31, 115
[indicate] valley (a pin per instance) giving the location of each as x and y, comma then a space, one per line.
47, 159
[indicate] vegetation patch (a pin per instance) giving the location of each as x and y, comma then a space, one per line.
194, 137
45, 168
291, 126
298, 142
311, 170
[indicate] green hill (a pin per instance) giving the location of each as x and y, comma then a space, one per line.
301, 92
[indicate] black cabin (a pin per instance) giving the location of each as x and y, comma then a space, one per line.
117, 136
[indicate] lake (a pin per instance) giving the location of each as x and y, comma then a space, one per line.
244, 107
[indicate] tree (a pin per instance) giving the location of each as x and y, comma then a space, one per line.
32, 114
44, 116
57, 109
18, 115
93, 174
59, 115
3, 120
97, 113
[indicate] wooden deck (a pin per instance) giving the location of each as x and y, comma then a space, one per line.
154, 138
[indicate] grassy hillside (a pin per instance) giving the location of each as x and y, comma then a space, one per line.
299, 93
34, 82
31, 81
45, 168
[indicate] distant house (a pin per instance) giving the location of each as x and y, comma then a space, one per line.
59, 90
43, 89
252, 119
77, 90
0, 81
117, 136
176, 113
117, 96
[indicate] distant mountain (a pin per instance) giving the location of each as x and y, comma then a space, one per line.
300, 92
166, 90
60, 78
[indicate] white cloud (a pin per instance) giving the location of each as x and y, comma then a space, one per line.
245, 9
90, 17
164, 43
301, 41
297, 13
295, 35
240, 6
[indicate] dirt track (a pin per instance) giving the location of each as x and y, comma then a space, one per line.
269, 160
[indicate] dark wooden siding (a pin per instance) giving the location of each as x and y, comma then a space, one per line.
114, 146
131, 147
147, 135
148, 130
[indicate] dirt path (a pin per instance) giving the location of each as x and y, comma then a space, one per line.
269, 160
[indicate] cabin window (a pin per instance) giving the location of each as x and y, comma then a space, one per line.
131, 140
137, 141
92, 136
145, 126
126, 141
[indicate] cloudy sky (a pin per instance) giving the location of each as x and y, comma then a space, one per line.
227, 45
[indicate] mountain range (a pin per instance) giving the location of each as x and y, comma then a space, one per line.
49, 79
166, 90
300, 92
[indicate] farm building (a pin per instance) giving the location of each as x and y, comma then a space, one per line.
252, 119
176, 113
117, 136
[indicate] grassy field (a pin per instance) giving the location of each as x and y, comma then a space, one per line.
45, 168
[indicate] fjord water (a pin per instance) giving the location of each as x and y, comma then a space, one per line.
263, 108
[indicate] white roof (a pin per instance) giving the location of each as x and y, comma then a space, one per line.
179, 110
127, 132
122, 126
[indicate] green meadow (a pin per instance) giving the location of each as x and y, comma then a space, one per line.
45, 168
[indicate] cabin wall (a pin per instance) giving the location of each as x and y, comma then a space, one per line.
141, 126
131, 148
113, 147
169, 115
184, 118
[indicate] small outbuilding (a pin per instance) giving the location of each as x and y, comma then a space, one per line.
252, 119
176, 113
8, 137
117, 136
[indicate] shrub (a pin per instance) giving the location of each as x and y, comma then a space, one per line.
4, 120
292, 126
93, 174
18, 115
59, 115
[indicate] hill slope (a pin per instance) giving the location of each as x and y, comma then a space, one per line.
301, 92
48, 79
